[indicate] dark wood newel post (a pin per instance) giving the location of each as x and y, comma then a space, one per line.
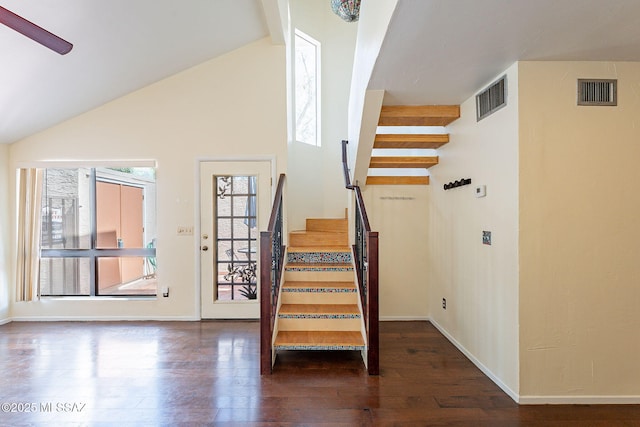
373, 354
265, 302
272, 250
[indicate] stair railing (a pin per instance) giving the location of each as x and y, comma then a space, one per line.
366, 263
272, 252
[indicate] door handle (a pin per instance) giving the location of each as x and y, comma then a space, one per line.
204, 248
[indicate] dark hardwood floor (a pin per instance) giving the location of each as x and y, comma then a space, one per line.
207, 373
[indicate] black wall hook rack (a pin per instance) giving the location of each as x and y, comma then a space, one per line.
459, 183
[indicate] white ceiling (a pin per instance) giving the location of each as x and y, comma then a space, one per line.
444, 51
119, 46
435, 52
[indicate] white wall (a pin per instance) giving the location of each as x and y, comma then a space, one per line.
5, 238
375, 18
579, 235
400, 214
231, 106
315, 180
479, 282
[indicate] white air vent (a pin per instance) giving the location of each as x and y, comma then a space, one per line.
597, 92
491, 99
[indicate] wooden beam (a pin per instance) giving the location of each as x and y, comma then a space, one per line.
418, 115
410, 140
397, 180
403, 162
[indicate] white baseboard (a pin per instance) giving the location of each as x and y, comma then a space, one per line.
539, 400
512, 394
579, 400
403, 318
103, 319
4, 321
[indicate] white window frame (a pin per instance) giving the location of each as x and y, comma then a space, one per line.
318, 135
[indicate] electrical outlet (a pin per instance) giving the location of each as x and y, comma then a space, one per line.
444, 303
486, 238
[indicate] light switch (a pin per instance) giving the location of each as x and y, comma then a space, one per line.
481, 191
185, 230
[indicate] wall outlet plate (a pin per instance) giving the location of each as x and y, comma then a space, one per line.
486, 238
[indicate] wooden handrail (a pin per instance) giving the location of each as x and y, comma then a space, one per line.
345, 166
365, 252
272, 253
276, 198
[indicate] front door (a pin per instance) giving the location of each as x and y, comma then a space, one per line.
235, 205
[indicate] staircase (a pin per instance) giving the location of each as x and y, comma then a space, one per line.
319, 299
401, 115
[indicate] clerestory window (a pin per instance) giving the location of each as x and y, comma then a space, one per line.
307, 88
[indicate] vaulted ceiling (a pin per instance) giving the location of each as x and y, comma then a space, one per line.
435, 51
119, 46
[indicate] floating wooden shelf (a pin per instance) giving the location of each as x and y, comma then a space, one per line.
410, 140
403, 162
397, 180
418, 115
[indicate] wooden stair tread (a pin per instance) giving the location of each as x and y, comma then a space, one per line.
316, 233
319, 338
395, 140
297, 249
316, 285
303, 238
319, 309
418, 115
397, 180
403, 161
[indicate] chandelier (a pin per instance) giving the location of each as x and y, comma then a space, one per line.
349, 10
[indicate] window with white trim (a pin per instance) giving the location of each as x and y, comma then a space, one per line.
98, 229
307, 88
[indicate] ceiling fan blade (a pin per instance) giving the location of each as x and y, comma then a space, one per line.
34, 32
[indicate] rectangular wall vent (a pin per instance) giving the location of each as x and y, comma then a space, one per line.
491, 99
597, 92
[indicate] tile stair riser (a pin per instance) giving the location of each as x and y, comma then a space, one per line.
320, 347
320, 257
322, 268
318, 297
287, 324
318, 276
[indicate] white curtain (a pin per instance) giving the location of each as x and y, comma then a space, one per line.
29, 217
